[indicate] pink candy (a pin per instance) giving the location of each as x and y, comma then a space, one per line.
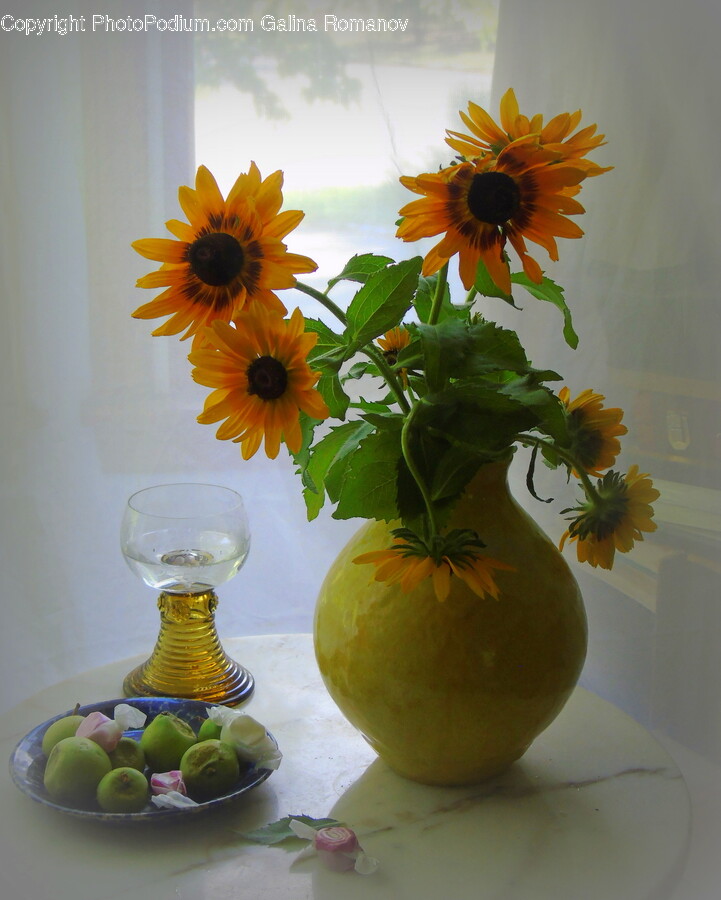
165, 782
99, 728
337, 847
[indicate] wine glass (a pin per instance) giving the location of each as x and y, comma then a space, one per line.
185, 540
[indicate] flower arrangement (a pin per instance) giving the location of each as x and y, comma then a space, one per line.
459, 391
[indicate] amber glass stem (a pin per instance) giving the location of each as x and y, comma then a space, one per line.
188, 660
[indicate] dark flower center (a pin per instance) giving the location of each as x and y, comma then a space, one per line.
493, 197
267, 377
216, 258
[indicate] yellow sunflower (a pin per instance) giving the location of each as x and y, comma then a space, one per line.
261, 380
482, 203
391, 344
227, 255
594, 430
489, 138
409, 563
615, 519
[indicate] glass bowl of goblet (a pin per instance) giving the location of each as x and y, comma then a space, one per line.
185, 540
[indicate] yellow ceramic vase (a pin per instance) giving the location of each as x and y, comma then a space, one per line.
454, 692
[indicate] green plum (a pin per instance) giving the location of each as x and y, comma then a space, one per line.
123, 790
65, 727
209, 768
165, 740
209, 731
128, 752
74, 770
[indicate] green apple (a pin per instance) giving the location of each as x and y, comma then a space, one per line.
123, 790
65, 727
165, 740
74, 769
209, 768
128, 752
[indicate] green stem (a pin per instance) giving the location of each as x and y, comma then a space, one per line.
438, 296
471, 296
417, 477
369, 350
389, 375
530, 440
324, 299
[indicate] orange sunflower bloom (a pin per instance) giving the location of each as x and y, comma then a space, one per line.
228, 255
487, 137
594, 430
391, 344
614, 520
408, 562
261, 380
485, 202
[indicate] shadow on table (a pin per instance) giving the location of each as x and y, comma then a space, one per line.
520, 836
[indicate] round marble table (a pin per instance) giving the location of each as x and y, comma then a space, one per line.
595, 810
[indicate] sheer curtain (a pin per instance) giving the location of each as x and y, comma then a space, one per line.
96, 135
94, 138
642, 286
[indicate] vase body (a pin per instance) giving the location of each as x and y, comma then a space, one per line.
454, 692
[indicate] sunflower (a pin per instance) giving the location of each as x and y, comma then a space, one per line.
482, 203
409, 561
614, 519
228, 255
594, 430
391, 344
262, 380
489, 138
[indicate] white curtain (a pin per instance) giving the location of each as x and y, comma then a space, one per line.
642, 285
96, 135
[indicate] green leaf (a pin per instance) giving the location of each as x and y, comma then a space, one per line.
368, 488
341, 440
455, 468
359, 369
382, 302
277, 832
385, 420
302, 457
360, 268
454, 349
423, 300
542, 403
486, 286
330, 349
553, 293
329, 387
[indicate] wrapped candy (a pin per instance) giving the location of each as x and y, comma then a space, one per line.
337, 846
165, 782
100, 728
250, 739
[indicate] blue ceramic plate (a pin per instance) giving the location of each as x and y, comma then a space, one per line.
27, 762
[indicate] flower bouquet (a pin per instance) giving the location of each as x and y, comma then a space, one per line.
457, 390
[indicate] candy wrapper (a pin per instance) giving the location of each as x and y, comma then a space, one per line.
337, 847
250, 739
172, 800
